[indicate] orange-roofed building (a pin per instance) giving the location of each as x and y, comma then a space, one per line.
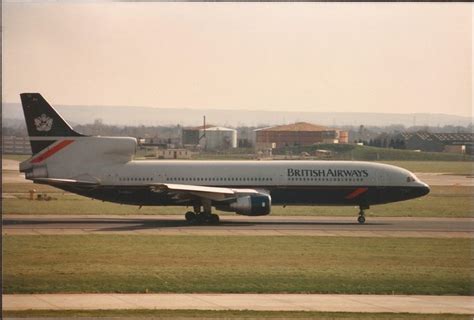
300, 133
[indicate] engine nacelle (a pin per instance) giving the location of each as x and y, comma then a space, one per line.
252, 205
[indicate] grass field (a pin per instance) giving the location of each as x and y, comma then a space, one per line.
340, 152
367, 153
208, 314
183, 264
453, 201
454, 167
419, 165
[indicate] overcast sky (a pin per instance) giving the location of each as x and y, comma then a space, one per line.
389, 57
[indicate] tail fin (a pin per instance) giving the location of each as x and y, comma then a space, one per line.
43, 121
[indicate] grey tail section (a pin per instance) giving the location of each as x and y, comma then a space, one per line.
43, 121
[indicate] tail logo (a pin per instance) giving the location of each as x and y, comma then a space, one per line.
43, 123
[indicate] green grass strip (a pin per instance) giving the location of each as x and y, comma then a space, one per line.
208, 314
238, 264
453, 201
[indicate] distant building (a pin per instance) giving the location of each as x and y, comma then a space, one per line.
245, 137
163, 143
211, 137
218, 138
16, 145
173, 154
191, 136
300, 133
437, 142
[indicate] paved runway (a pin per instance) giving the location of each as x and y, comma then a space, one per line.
443, 179
240, 225
269, 302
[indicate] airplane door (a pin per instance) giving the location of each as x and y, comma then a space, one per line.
108, 178
381, 184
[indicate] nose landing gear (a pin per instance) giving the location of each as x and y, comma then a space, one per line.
361, 218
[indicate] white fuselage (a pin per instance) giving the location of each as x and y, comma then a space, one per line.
258, 173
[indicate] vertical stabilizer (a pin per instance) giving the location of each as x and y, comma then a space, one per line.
42, 121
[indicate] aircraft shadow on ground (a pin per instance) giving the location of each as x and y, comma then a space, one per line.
144, 224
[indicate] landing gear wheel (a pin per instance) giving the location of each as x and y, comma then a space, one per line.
204, 216
213, 219
361, 218
190, 216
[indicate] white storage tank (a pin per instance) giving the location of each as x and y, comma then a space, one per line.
218, 138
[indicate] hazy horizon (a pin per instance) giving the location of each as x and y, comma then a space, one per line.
304, 57
124, 115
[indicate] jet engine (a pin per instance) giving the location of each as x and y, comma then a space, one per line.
250, 205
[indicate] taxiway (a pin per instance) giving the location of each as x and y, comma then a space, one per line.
270, 302
240, 225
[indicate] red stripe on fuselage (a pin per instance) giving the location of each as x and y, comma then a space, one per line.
52, 151
357, 192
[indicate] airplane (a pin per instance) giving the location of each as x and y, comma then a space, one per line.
104, 168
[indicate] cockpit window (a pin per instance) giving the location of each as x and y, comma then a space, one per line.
410, 179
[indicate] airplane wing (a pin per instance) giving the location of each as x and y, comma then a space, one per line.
211, 193
69, 182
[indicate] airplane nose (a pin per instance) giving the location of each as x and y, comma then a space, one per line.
422, 190
425, 190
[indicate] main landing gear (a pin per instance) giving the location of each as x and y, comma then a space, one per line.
202, 217
361, 218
